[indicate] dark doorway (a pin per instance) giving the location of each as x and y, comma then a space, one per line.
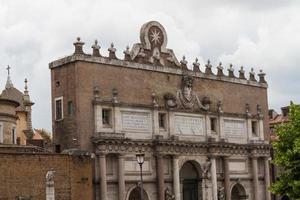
190, 190
135, 194
190, 181
238, 192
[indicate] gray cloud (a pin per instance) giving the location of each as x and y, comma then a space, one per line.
262, 34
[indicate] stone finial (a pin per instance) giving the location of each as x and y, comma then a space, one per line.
26, 86
242, 73
259, 111
9, 83
220, 70
247, 110
115, 96
219, 107
127, 56
208, 68
96, 92
96, 49
262, 76
154, 101
231, 71
183, 63
112, 51
196, 65
78, 46
252, 75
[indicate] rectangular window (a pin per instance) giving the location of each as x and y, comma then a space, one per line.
14, 135
70, 108
59, 108
254, 128
213, 124
162, 120
106, 117
57, 148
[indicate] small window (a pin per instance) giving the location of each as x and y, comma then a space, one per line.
14, 135
106, 117
213, 124
254, 128
57, 148
59, 108
162, 120
70, 108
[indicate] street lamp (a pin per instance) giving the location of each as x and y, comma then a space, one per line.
140, 160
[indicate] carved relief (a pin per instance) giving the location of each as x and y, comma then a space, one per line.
186, 98
152, 48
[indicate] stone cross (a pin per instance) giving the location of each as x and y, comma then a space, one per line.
8, 69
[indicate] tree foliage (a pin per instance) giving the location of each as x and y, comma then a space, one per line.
287, 155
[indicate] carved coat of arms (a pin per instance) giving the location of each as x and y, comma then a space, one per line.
186, 98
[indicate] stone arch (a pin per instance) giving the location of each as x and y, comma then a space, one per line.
134, 193
238, 192
190, 174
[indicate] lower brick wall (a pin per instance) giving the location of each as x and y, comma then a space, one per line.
24, 175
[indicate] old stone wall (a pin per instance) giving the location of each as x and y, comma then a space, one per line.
24, 175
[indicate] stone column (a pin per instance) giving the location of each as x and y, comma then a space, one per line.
103, 184
226, 178
176, 181
121, 177
213, 171
267, 178
96, 178
160, 177
255, 177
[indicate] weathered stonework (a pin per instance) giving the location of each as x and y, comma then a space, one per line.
191, 125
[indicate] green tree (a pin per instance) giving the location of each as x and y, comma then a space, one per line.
287, 155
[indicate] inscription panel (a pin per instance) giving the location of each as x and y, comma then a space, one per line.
136, 121
133, 166
237, 166
188, 125
234, 127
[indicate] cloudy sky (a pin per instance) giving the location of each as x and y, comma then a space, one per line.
263, 34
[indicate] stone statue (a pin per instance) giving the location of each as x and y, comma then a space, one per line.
50, 176
187, 99
169, 195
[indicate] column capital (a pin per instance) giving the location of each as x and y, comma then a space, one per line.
175, 157
102, 154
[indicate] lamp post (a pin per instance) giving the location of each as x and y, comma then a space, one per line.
140, 160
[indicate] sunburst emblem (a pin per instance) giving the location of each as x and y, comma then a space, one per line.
155, 35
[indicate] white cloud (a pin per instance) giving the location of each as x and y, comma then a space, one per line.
261, 34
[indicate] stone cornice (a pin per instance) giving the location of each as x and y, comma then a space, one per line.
173, 147
149, 67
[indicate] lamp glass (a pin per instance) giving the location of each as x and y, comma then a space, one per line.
140, 158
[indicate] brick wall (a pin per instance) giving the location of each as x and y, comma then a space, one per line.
24, 175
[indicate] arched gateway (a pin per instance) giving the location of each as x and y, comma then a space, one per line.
238, 192
190, 178
135, 194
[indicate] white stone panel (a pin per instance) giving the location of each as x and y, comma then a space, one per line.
235, 127
136, 121
133, 166
189, 125
237, 166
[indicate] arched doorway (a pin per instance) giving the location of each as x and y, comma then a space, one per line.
190, 181
238, 192
135, 194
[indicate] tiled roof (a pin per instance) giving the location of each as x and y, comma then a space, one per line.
14, 94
